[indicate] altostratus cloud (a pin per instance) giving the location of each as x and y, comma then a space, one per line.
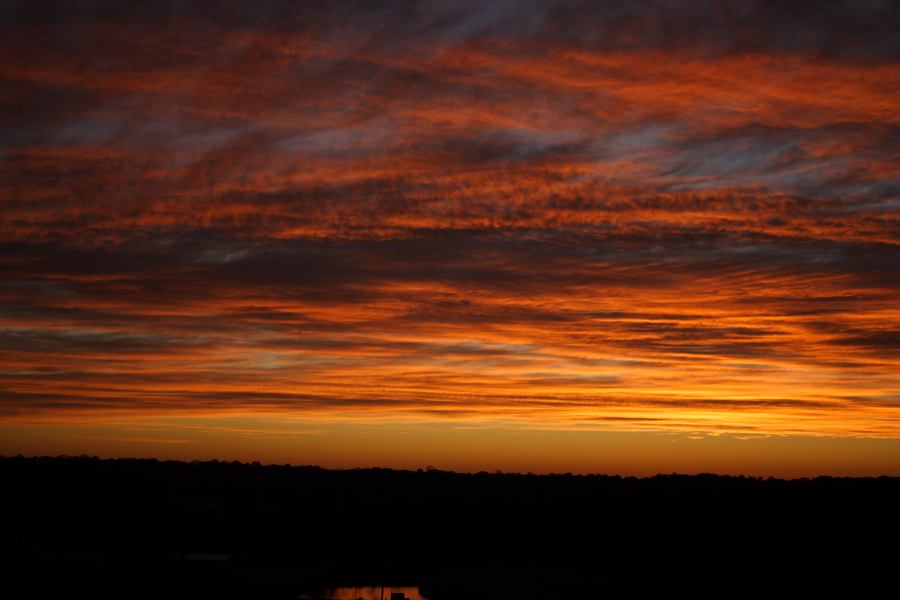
558, 215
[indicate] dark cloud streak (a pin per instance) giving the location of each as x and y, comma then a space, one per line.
475, 210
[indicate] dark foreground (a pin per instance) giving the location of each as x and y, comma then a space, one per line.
142, 528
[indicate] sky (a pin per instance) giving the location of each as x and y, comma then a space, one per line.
628, 237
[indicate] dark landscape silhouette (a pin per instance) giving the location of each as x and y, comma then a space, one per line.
642, 236
163, 529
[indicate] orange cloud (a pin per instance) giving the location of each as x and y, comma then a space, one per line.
491, 221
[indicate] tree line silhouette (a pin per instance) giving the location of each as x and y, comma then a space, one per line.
147, 528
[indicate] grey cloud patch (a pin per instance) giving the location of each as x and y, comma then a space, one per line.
89, 341
834, 28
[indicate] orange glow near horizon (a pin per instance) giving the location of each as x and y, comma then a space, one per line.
440, 227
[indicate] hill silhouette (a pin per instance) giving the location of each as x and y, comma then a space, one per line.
147, 528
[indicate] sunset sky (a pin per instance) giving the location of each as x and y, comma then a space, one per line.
626, 237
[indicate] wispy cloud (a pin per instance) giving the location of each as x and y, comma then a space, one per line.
642, 216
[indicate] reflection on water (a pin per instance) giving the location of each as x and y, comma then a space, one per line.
367, 593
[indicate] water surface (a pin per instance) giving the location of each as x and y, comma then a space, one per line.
365, 593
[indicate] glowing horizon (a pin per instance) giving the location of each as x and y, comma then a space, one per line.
539, 217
